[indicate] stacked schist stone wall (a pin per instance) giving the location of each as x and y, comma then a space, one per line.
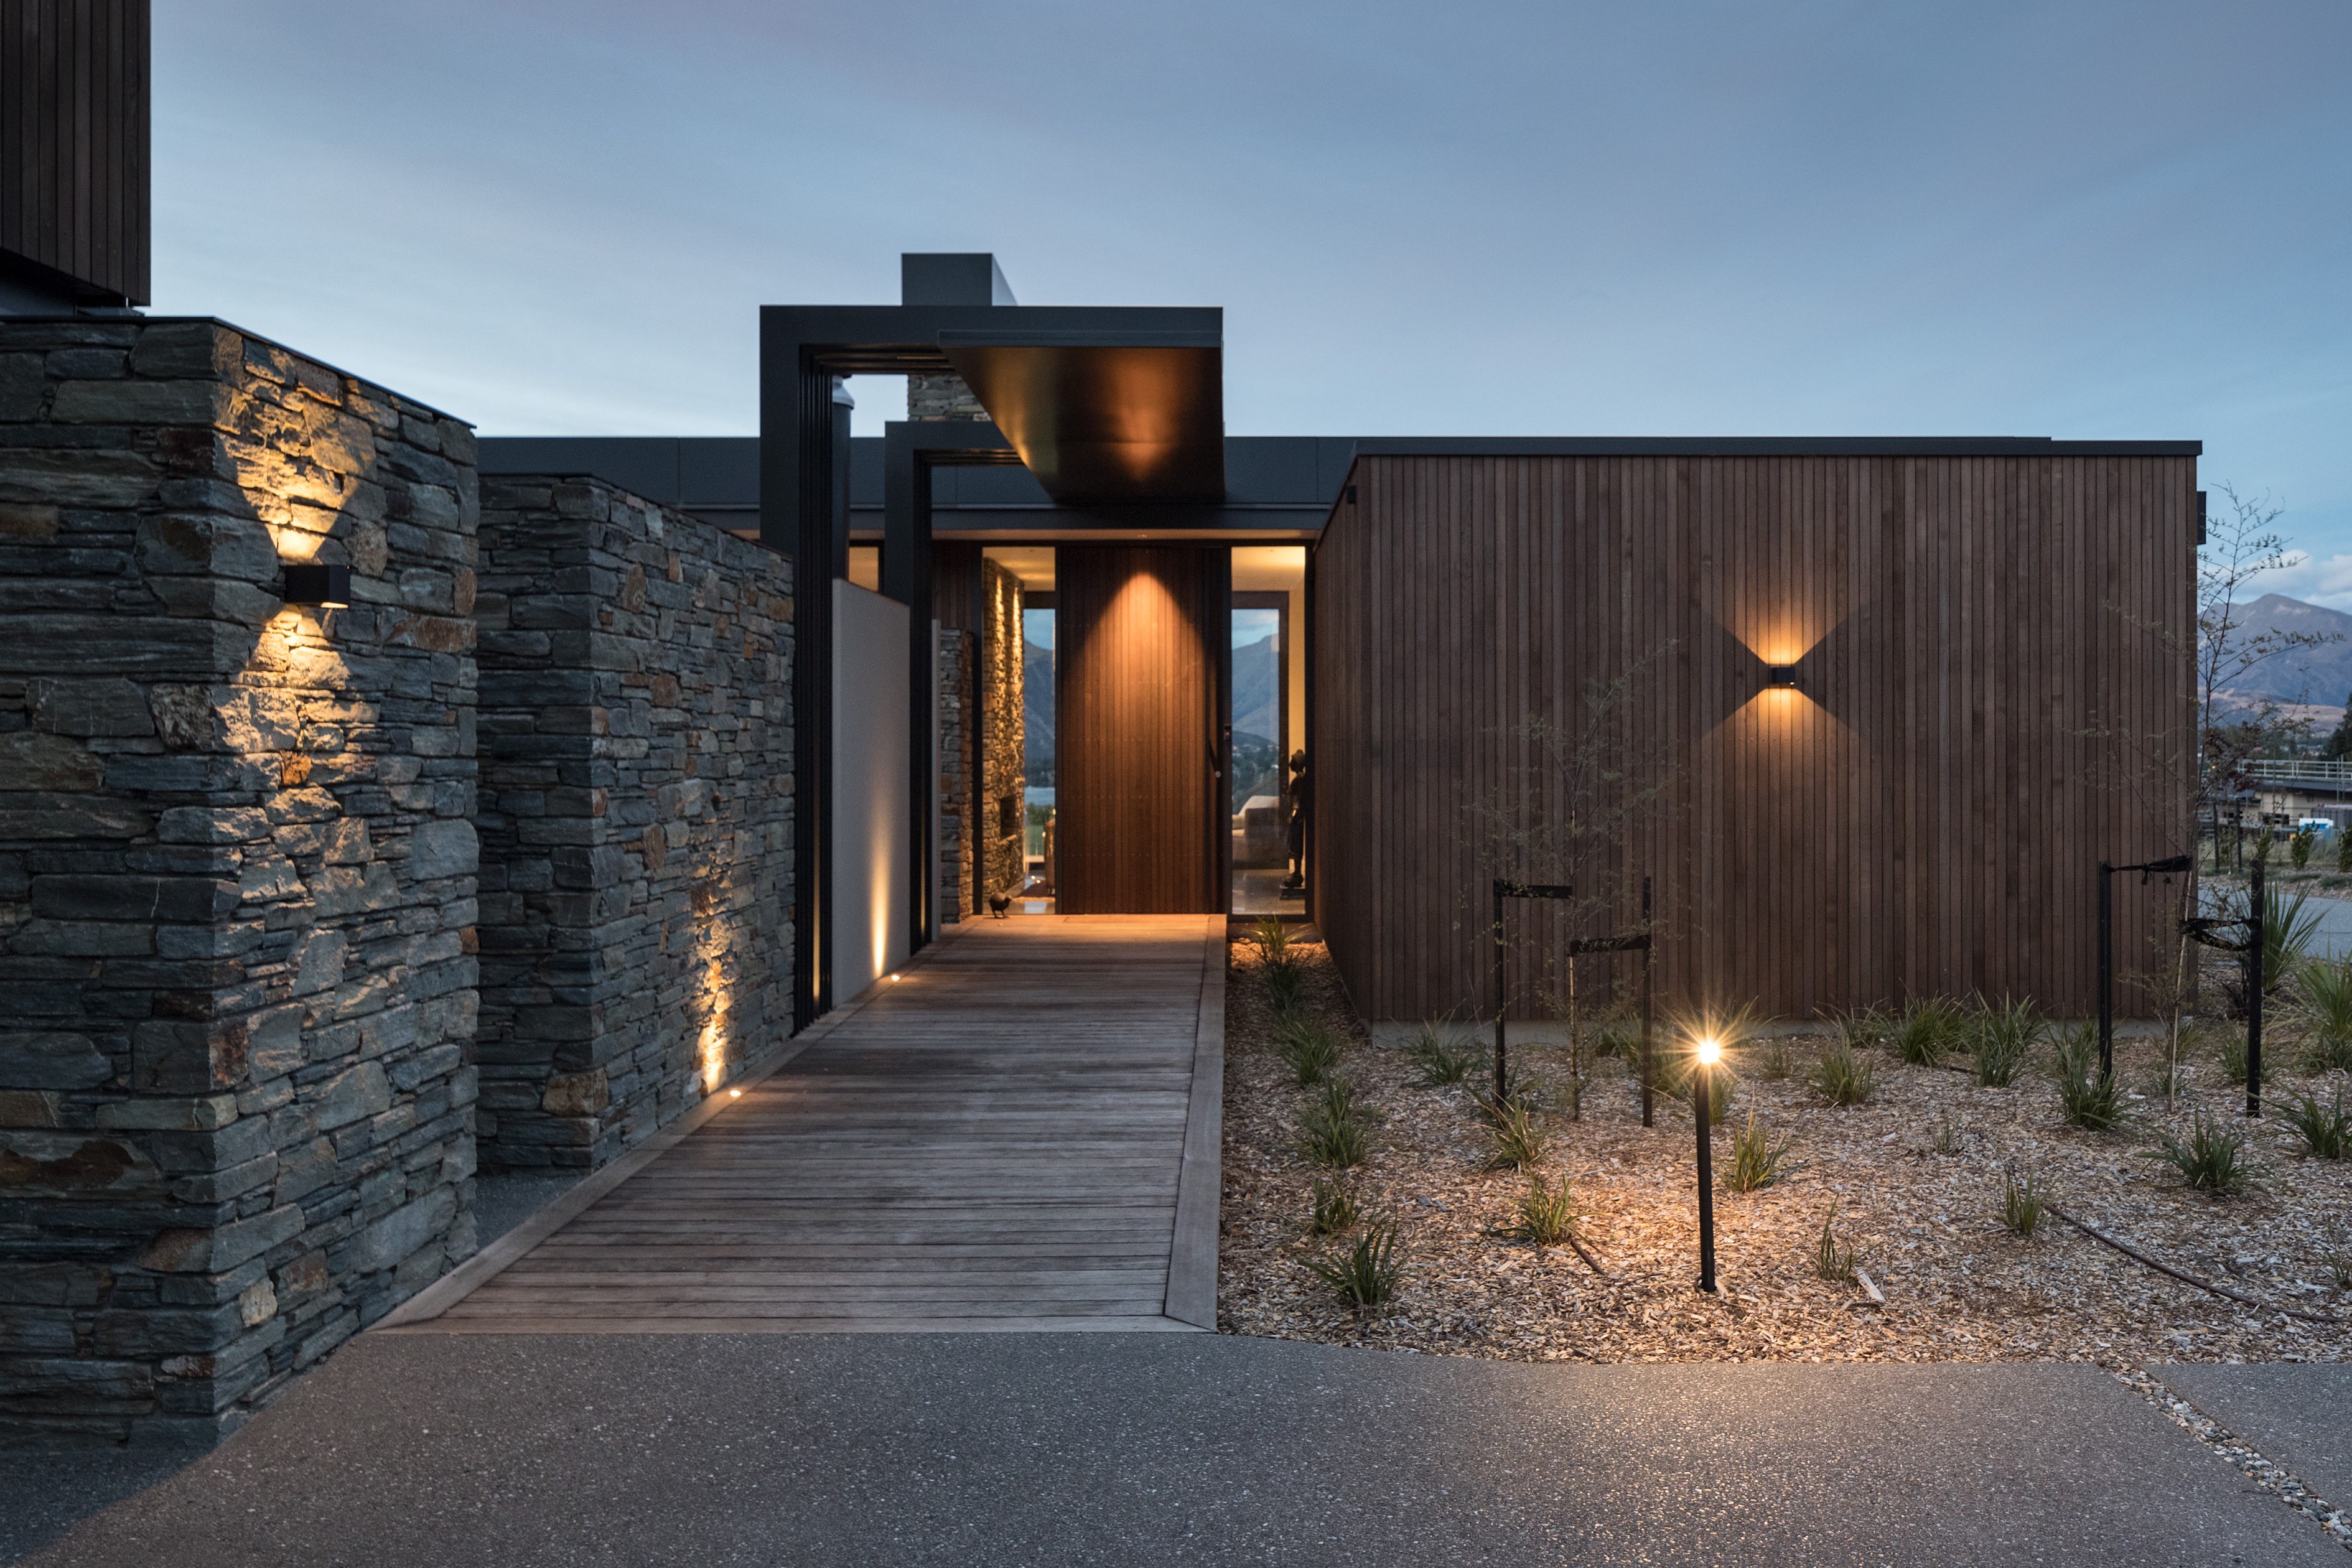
1002, 730
955, 797
237, 872
637, 793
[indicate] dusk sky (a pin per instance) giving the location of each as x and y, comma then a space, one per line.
2128, 220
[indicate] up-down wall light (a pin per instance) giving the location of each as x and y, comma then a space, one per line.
327, 587
1780, 675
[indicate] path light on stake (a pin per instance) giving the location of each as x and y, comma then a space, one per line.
1710, 1051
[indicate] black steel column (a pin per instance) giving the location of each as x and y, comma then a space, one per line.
1649, 947
907, 577
2106, 970
1502, 1066
2254, 913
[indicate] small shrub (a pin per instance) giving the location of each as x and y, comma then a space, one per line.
1308, 1046
1757, 1161
1842, 1078
2325, 1128
1831, 1261
2020, 1205
2299, 847
1926, 1030
2343, 850
2002, 1037
2088, 1097
1336, 1211
1331, 1131
1775, 1062
1366, 1275
1518, 1133
1444, 1056
2214, 1158
1545, 1214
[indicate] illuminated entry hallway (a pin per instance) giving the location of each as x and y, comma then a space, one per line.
1020, 1134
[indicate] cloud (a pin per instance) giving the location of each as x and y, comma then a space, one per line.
2310, 578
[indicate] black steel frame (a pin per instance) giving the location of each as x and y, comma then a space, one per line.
804, 512
1630, 941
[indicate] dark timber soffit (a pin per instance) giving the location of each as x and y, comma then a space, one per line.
1105, 419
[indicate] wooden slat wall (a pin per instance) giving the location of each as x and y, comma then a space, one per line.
1136, 709
1994, 695
74, 140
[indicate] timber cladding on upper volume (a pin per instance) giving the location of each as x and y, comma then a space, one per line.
74, 167
1992, 693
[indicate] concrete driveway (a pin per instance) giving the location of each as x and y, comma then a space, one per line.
1158, 1448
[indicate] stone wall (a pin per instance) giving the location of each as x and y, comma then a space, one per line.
942, 396
1002, 729
236, 869
636, 816
957, 819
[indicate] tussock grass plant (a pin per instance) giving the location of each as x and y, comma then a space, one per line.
1364, 1277
2216, 1157
2289, 925
1445, 1054
1862, 1029
2229, 1052
1842, 1077
2323, 991
2001, 1037
1757, 1160
1946, 1139
1331, 1128
2337, 1263
1830, 1260
2325, 1126
1285, 988
1336, 1211
2022, 1205
1617, 1036
1775, 1062
1545, 1214
1272, 940
2088, 1097
1308, 1046
1929, 1029
1518, 1133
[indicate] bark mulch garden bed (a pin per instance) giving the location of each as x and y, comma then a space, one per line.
1912, 1181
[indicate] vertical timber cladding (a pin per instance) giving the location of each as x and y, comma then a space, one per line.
1993, 695
1139, 728
74, 167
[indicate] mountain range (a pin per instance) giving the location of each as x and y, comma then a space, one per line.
2315, 680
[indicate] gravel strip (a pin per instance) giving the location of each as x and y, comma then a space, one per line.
2271, 1477
1925, 1223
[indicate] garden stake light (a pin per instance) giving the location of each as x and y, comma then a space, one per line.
2165, 868
1702, 1085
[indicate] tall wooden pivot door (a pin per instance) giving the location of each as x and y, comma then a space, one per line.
1141, 651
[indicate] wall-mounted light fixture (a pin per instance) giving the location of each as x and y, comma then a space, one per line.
328, 587
1780, 675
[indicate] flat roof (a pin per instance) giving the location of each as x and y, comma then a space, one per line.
1273, 483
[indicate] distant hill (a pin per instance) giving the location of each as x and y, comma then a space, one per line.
1257, 692
1037, 714
2316, 678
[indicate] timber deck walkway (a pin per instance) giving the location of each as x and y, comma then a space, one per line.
1021, 1133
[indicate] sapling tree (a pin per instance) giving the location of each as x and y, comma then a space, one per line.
1569, 815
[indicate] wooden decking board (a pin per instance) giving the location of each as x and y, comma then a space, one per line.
996, 1143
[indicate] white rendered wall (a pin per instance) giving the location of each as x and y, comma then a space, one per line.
870, 823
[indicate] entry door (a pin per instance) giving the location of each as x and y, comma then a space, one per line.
1140, 729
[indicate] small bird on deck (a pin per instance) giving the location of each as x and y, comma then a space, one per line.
998, 903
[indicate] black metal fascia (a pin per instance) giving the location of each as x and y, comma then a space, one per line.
1765, 447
